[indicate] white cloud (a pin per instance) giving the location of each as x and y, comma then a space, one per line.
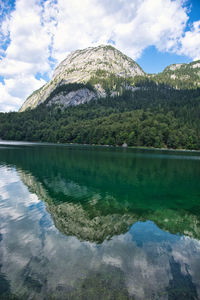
29, 40
8, 102
39, 31
16, 89
26, 55
133, 26
191, 42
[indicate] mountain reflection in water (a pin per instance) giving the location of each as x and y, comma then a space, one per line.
98, 223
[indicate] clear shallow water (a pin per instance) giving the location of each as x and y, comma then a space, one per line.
98, 223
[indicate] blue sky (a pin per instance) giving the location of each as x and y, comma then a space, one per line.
35, 35
154, 61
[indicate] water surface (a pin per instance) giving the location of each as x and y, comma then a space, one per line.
80, 222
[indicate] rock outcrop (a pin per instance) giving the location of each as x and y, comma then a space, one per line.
180, 76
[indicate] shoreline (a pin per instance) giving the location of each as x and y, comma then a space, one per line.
13, 142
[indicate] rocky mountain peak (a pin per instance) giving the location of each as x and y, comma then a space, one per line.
97, 72
79, 67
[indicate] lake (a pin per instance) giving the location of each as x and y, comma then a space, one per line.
83, 222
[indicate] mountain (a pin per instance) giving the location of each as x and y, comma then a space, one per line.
180, 76
98, 72
100, 96
91, 65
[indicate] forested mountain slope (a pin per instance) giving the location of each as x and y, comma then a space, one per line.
153, 117
101, 96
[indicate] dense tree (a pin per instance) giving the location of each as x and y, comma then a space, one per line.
153, 116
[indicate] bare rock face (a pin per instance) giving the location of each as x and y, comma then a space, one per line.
196, 65
79, 67
73, 98
174, 67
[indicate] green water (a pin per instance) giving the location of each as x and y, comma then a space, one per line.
80, 222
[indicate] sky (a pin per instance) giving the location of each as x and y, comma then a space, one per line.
36, 35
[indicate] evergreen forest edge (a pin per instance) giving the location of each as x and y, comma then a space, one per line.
156, 115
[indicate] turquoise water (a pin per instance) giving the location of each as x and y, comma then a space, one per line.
81, 222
